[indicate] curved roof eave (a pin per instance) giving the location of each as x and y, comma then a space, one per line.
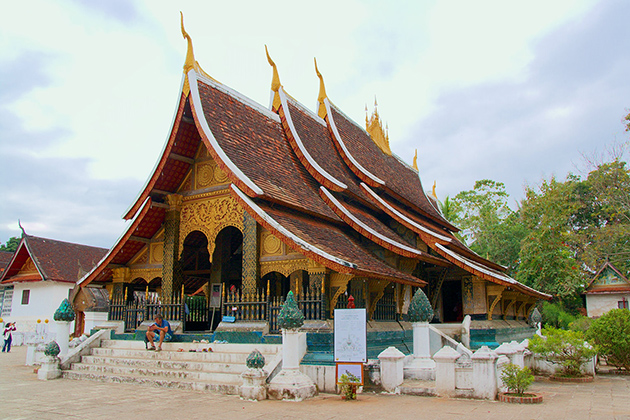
151, 180
474, 268
311, 165
89, 277
225, 163
355, 166
368, 232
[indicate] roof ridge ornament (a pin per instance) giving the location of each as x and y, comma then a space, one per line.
374, 127
275, 82
321, 111
433, 190
191, 63
415, 161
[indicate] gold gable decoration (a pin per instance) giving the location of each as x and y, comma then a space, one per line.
28, 268
374, 127
209, 214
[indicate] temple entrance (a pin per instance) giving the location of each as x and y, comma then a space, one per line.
196, 268
452, 310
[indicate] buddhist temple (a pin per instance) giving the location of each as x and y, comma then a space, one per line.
249, 202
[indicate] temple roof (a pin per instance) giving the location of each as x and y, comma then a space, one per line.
316, 179
41, 259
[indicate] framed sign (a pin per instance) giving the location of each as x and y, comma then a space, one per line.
349, 368
215, 295
350, 335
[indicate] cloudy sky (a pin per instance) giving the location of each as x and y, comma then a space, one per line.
506, 90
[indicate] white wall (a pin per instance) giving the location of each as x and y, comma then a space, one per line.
45, 297
596, 305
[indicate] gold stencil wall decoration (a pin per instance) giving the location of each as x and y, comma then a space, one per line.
285, 267
205, 175
209, 215
28, 267
157, 253
220, 176
271, 244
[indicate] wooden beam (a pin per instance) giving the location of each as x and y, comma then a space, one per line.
139, 239
181, 158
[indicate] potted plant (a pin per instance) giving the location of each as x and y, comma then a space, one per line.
349, 384
567, 349
517, 380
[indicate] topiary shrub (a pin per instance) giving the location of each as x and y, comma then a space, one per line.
566, 348
290, 316
64, 312
611, 336
516, 379
420, 309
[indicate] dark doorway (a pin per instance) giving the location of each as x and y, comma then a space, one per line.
452, 309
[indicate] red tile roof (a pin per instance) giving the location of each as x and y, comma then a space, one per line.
54, 260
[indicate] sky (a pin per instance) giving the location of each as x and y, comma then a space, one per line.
511, 91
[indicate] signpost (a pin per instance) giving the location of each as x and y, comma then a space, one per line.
350, 339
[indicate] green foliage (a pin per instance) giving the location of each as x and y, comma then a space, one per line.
255, 360
11, 245
487, 224
582, 324
516, 380
611, 335
566, 348
52, 349
349, 384
554, 315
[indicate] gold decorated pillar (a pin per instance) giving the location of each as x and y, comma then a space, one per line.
251, 268
171, 272
121, 277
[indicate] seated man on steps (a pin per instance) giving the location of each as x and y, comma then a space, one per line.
161, 330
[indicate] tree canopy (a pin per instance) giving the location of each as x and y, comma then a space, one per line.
11, 245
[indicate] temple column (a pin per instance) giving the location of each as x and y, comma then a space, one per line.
317, 282
121, 277
171, 272
251, 267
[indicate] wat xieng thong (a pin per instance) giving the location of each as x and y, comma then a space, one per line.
248, 202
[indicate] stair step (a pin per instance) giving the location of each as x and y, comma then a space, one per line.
217, 357
215, 377
202, 366
231, 389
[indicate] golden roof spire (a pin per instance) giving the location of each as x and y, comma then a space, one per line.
374, 127
367, 124
190, 56
433, 192
322, 93
415, 161
275, 82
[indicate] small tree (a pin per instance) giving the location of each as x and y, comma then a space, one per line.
566, 348
517, 380
611, 336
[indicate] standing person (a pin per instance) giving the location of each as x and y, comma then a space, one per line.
160, 329
8, 337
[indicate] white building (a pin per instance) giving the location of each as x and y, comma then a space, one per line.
608, 290
39, 276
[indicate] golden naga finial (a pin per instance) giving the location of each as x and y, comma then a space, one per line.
322, 93
433, 192
190, 56
367, 124
275, 82
415, 161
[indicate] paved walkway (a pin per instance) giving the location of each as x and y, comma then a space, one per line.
23, 396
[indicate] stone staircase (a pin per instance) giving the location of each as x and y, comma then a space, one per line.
176, 366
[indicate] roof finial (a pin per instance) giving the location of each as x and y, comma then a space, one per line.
322, 93
275, 82
367, 123
433, 192
20, 225
190, 56
415, 160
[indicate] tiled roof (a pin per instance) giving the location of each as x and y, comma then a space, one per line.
56, 260
5, 258
401, 180
256, 145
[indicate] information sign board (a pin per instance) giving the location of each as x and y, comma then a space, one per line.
350, 335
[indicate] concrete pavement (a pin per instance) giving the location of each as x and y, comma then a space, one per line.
23, 396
